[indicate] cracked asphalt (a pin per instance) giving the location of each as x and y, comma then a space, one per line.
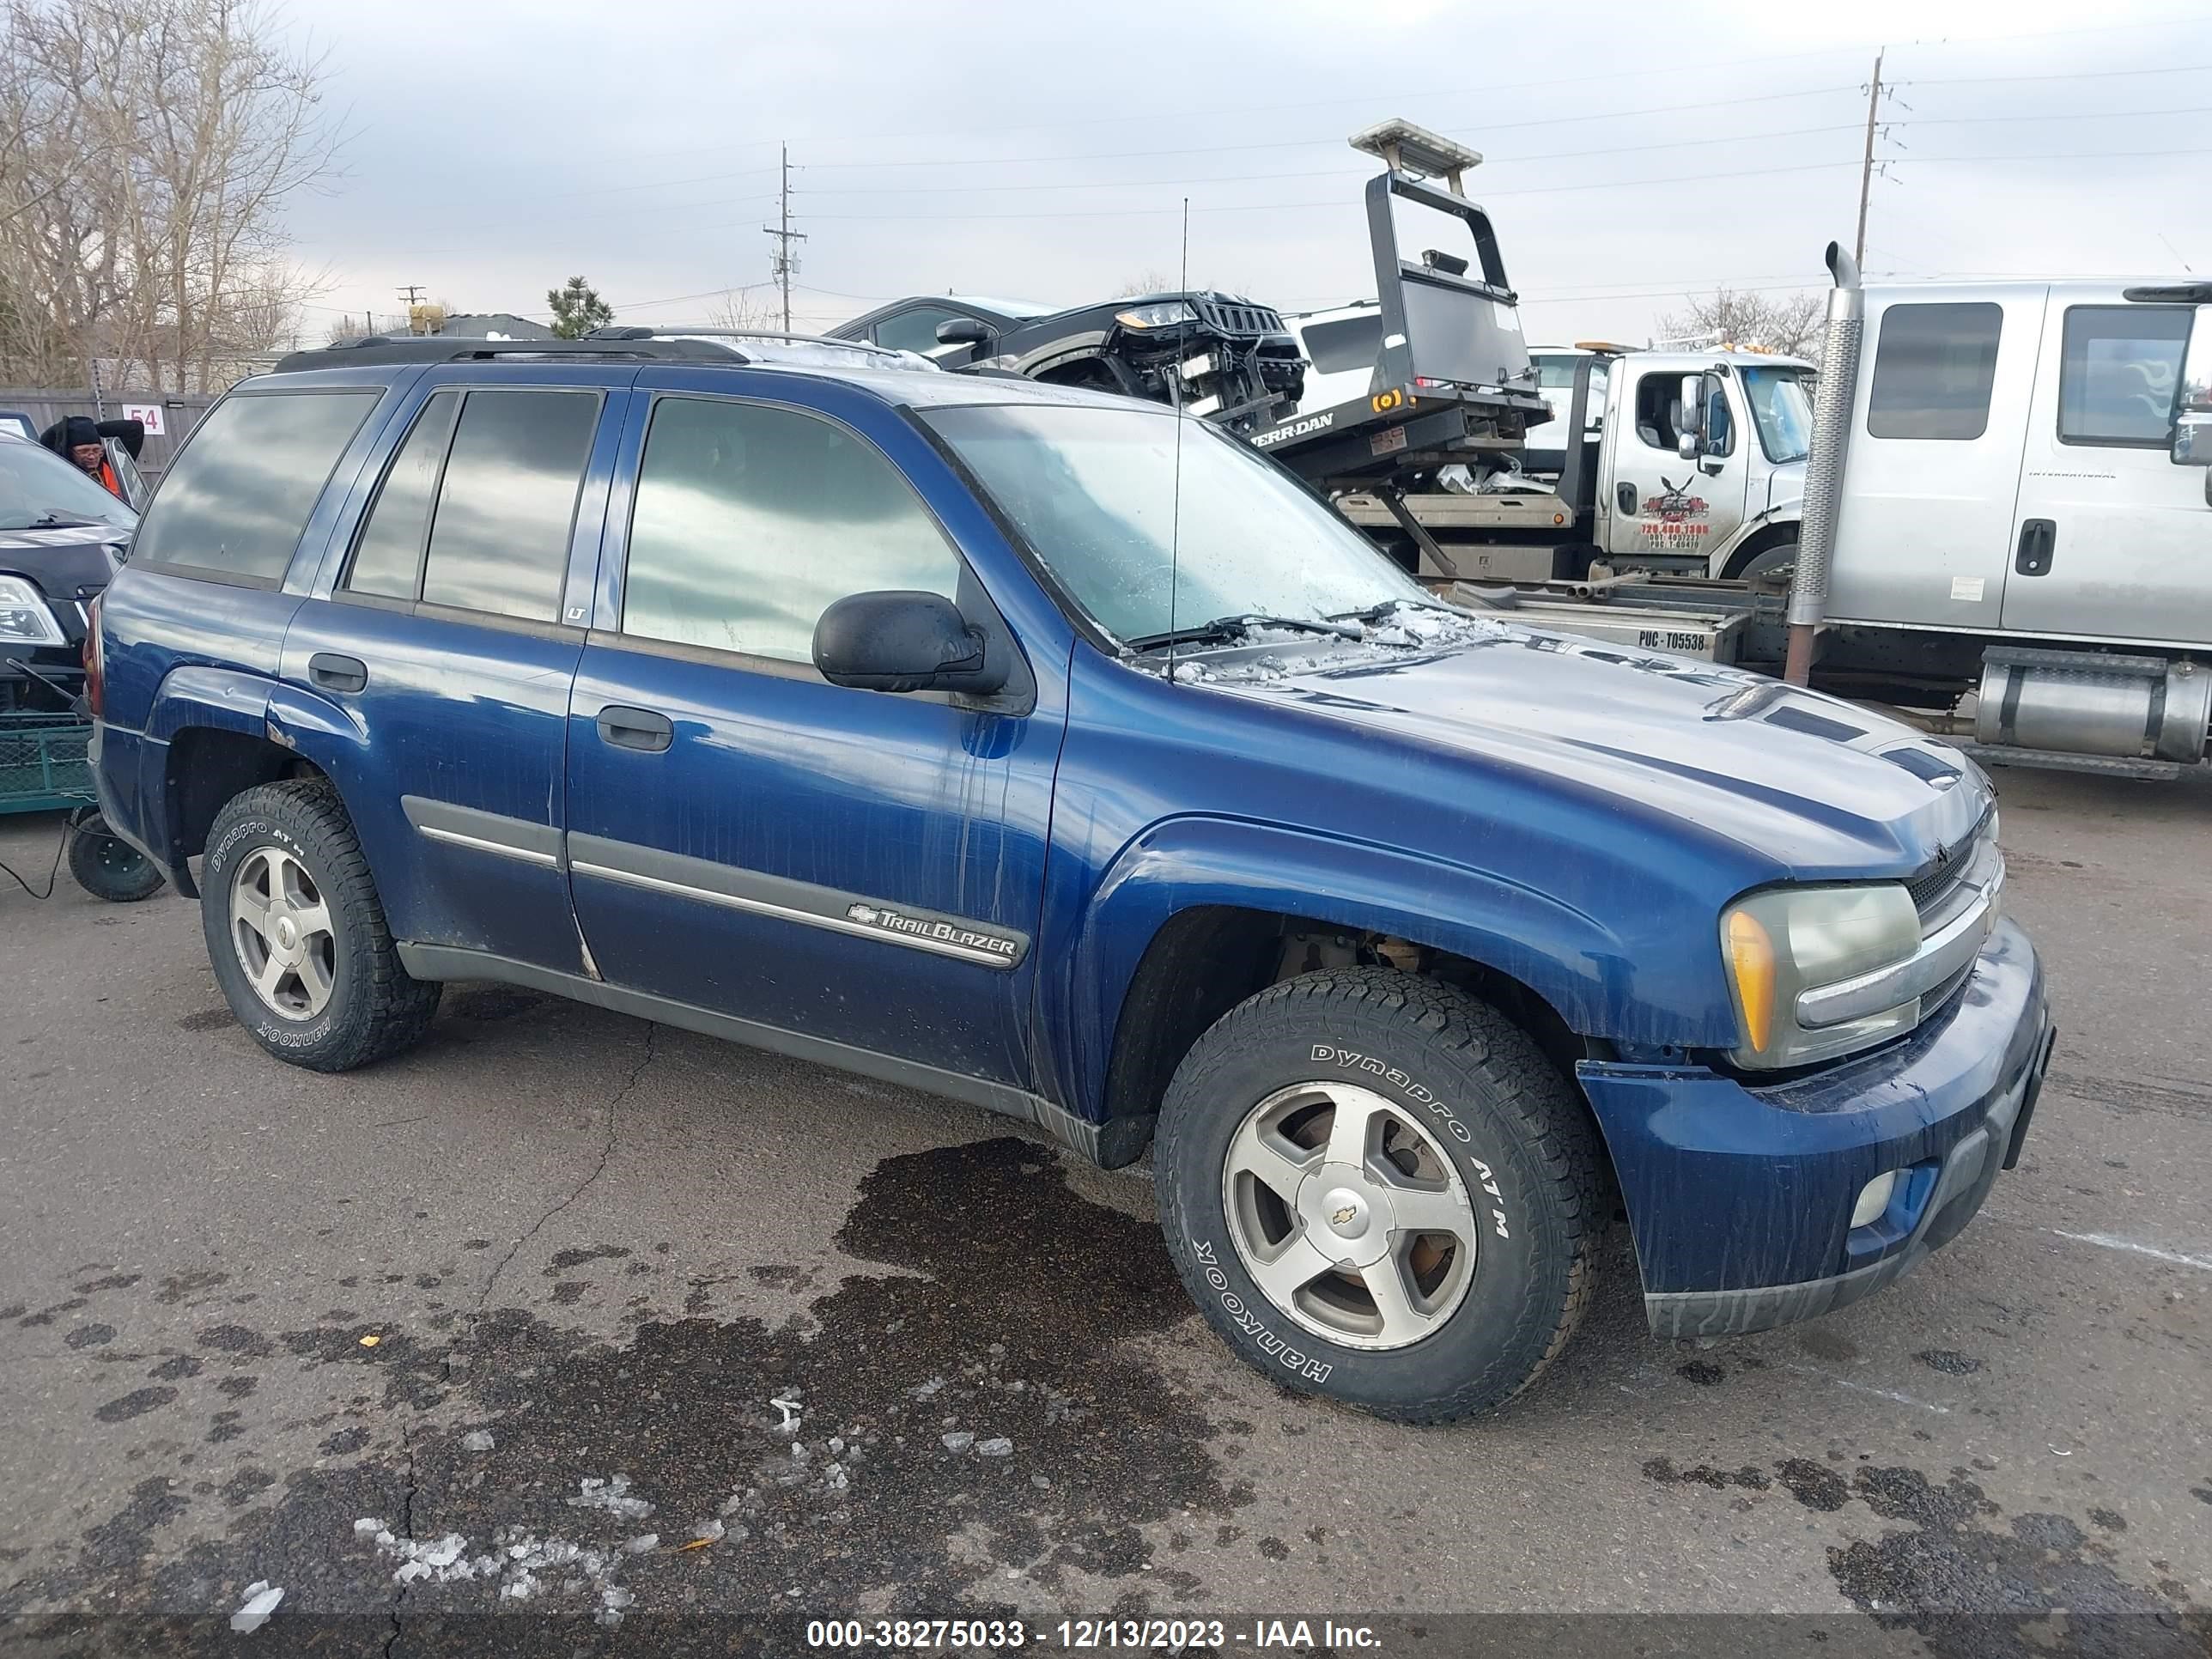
526, 1297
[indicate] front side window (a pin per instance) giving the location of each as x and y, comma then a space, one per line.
236, 500
1144, 541
914, 330
499, 534
749, 522
1782, 408
1933, 370
2119, 380
39, 490
1659, 410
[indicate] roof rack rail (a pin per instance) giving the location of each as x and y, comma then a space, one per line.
451, 348
617, 331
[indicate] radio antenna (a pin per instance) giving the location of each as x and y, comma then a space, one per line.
1174, 510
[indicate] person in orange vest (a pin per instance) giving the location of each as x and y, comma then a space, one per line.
77, 439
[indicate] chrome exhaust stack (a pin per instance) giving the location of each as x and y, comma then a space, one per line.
1823, 466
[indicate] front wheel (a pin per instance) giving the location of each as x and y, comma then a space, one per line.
1771, 564
1377, 1189
297, 937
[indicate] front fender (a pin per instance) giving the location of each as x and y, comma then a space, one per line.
1789, 513
1569, 958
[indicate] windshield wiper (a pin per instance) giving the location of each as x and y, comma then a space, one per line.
1221, 630
1375, 613
52, 520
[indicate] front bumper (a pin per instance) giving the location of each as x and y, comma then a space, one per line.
1739, 1197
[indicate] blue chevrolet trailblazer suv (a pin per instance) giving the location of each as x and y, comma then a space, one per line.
1056, 753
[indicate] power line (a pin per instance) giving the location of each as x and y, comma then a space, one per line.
1341, 203
2049, 115
1582, 78
1348, 171
2068, 75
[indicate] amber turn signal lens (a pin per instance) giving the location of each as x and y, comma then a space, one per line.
1751, 960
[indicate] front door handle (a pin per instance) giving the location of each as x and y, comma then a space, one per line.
1625, 492
336, 673
635, 728
2038, 540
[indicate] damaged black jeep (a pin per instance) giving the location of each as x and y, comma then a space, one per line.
1215, 354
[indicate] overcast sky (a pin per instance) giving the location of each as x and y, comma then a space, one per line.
1634, 152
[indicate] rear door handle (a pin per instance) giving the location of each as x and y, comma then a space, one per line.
2038, 540
336, 673
635, 728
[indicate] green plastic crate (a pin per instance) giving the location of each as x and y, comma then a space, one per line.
42, 762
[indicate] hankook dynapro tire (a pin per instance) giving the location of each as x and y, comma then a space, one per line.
1377, 1189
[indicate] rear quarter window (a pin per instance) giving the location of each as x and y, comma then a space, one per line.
236, 500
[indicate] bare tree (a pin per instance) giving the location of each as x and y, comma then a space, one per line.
147, 149
1788, 323
1150, 280
739, 309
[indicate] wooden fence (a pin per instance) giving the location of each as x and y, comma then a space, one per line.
179, 413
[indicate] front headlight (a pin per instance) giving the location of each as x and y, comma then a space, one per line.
1166, 313
24, 618
1779, 944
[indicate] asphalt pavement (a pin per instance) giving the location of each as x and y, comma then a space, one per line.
435, 1347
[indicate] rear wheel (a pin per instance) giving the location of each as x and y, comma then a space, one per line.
1377, 1189
297, 937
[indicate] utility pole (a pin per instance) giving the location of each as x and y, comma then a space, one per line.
412, 293
785, 263
1866, 166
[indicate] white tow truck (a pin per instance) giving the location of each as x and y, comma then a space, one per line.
2003, 519
1547, 508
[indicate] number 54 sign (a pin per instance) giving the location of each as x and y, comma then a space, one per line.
148, 415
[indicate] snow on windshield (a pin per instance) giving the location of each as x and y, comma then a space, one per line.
1260, 657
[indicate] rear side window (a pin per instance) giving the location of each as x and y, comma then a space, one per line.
1933, 371
498, 533
751, 521
237, 499
1347, 343
2119, 381
388, 559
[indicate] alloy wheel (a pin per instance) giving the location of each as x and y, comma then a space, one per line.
283, 933
1349, 1215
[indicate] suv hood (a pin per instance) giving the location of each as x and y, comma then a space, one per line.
73, 561
1814, 784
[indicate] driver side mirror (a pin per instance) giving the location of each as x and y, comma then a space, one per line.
903, 640
2192, 425
1690, 434
964, 331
